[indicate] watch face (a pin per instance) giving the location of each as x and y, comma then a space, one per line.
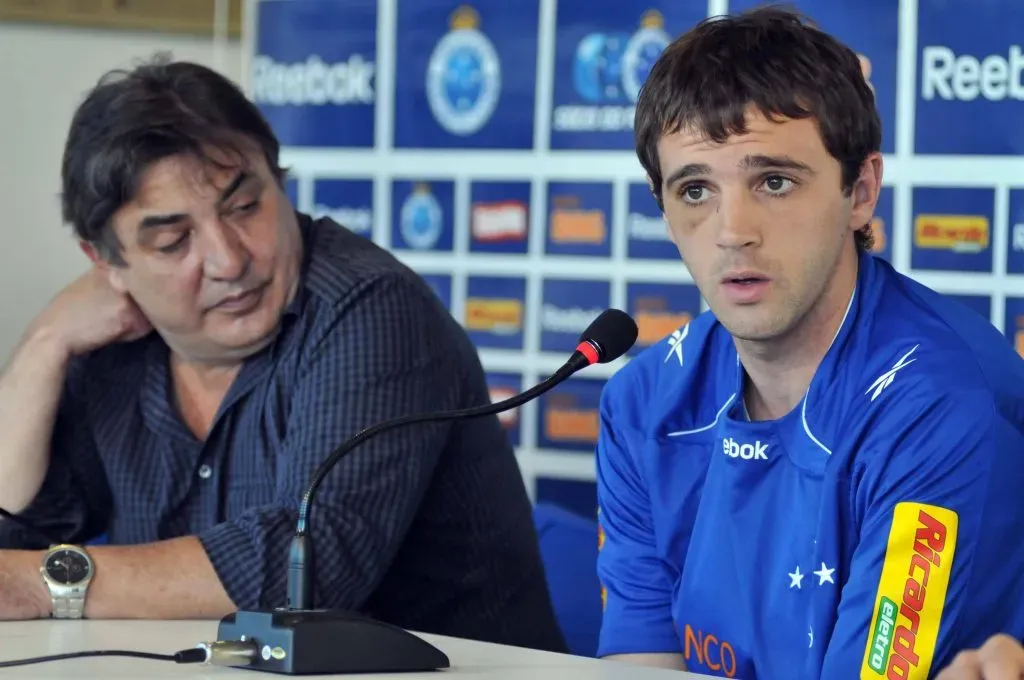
67, 566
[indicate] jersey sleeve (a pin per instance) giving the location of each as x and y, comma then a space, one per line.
635, 583
936, 567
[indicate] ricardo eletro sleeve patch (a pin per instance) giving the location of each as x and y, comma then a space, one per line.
911, 593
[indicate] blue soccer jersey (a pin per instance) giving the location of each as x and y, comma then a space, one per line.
875, 531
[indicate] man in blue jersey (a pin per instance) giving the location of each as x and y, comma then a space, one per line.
821, 476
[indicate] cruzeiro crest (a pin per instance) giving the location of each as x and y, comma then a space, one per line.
463, 76
421, 220
642, 50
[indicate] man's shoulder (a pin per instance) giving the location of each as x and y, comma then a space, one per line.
348, 278
676, 382
916, 357
915, 343
341, 263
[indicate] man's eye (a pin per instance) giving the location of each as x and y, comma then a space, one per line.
694, 193
175, 245
776, 184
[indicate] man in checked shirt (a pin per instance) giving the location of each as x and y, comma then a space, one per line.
179, 396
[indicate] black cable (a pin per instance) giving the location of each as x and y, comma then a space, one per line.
196, 655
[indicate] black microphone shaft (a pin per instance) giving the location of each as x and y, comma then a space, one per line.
300, 584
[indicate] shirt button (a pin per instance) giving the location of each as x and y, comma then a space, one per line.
205, 471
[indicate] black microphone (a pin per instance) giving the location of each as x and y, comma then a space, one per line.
298, 639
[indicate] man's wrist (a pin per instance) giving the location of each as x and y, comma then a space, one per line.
38, 591
24, 585
45, 346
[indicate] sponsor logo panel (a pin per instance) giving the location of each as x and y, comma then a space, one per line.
494, 311
1015, 234
579, 219
347, 202
466, 73
314, 72
603, 54
660, 309
569, 415
422, 215
970, 68
568, 306
952, 229
499, 217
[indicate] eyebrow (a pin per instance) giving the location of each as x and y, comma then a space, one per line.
153, 221
785, 162
231, 188
757, 161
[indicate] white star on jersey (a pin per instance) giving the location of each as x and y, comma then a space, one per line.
796, 578
824, 574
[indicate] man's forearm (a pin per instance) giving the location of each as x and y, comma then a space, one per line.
170, 579
30, 390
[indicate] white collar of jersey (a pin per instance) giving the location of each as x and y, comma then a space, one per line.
824, 368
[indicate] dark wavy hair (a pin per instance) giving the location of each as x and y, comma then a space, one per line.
772, 58
134, 118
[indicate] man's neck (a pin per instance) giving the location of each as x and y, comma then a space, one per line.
199, 390
780, 371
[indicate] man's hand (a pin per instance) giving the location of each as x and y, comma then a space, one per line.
171, 579
1000, 658
23, 594
89, 313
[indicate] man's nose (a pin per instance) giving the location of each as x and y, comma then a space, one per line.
739, 221
225, 256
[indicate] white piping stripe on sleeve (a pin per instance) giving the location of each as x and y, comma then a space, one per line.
683, 433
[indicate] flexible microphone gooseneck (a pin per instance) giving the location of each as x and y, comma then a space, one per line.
606, 339
298, 639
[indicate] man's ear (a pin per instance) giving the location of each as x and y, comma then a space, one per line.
657, 195
101, 263
92, 253
866, 191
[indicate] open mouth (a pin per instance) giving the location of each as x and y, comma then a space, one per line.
745, 279
745, 287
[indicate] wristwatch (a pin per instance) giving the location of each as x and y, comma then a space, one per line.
67, 571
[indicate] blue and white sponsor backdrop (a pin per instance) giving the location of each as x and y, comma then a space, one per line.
488, 144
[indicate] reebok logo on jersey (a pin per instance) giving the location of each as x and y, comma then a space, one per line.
756, 451
675, 343
911, 593
886, 378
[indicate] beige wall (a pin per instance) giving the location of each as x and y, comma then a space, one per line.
44, 73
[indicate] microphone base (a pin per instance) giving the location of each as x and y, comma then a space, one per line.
325, 642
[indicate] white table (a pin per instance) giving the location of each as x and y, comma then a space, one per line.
21, 639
